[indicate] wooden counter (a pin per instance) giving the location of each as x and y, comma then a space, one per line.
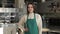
49, 30
45, 30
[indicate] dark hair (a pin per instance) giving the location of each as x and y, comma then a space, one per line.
34, 6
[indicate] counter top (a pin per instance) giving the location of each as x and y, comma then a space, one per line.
49, 30
45, 29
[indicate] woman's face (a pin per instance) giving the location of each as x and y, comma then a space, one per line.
30, 8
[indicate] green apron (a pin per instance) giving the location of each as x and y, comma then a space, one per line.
32, 26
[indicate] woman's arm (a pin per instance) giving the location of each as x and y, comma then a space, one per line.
39, 24
20, 24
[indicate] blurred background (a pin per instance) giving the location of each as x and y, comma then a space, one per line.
12, 10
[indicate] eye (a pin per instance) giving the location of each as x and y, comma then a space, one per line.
30, 7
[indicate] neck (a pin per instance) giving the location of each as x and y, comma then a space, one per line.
31, 13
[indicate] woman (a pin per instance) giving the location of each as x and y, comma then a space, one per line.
32, 22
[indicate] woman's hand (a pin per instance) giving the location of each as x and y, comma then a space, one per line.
26, 29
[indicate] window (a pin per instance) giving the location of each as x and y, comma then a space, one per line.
10, 3
0, 3
7, 3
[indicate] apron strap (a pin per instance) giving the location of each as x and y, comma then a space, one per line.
27, 19
34, 16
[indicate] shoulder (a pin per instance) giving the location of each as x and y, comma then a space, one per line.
38, 15
23, 16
